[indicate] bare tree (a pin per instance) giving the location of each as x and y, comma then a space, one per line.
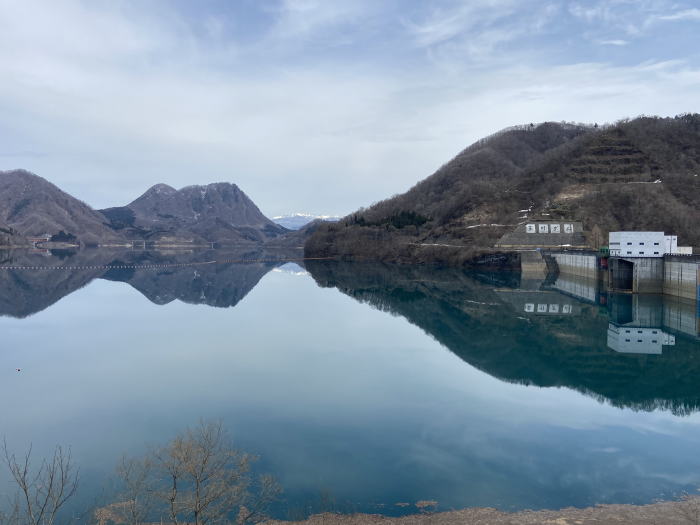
136, 500
10, 514
198, 478
42, 491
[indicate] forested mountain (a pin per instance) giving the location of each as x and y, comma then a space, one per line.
218, 212
641, 174
32, 206
221, 213
8, 236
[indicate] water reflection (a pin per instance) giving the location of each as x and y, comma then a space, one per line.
30, 282
545, 334
636, 325
582, 289
342, 400
631, 350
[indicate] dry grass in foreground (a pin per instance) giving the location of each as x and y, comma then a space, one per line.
685, 512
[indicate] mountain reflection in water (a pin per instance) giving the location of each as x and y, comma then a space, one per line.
634, 351
160, 276
534, 333
340, 399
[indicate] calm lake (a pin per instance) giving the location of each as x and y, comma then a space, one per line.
359, 386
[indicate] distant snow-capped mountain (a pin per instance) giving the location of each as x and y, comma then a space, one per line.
296, 221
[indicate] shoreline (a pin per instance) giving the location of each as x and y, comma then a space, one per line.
684, 511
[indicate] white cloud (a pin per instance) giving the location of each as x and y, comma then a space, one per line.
687, 14
633, 17
589, 13
131, 97
444, 23
618, 43
485, 32
303, 19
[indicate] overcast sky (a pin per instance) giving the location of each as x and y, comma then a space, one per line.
317, 105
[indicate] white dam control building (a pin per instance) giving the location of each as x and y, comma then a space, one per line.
645, 244
652, 262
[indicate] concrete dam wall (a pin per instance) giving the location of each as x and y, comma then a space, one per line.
580, 265
682, 278
673, 275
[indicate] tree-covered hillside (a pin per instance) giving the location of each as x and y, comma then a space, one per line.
8, 236
32, 206
638, 174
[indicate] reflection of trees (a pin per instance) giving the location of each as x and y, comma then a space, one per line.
472, 320
220, 285
24, 292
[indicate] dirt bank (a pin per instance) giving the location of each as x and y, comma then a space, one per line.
667, 513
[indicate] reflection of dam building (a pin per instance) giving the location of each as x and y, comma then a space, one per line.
531, 299
637, 340
581, 288
682, 316
638, 324
636, 310
544, 303
644, 323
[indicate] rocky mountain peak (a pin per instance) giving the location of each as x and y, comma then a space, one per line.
160, 189
219, 211
31, 205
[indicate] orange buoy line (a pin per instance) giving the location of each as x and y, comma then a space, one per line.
157, 266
